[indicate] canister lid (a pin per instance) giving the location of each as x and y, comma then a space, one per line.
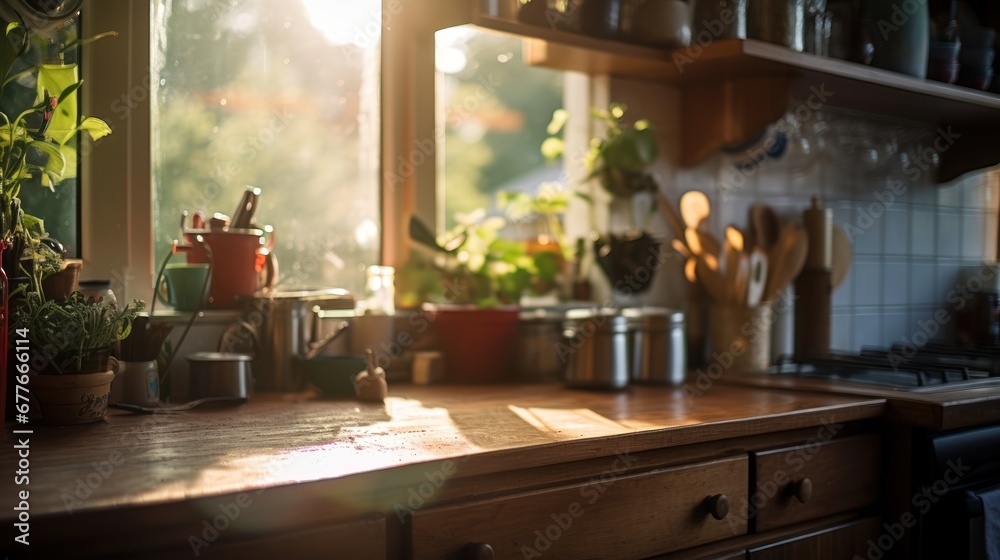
218, 357
601, 319
653, 317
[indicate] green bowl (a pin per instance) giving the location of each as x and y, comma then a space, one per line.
333, 376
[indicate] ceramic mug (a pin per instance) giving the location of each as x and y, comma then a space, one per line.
141, 383
182, 285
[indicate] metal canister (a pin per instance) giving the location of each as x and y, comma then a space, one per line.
540, 355
658, 345
285, 320
596, 347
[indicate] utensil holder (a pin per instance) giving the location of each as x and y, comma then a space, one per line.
740, 337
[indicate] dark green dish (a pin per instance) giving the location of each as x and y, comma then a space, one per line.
333, 376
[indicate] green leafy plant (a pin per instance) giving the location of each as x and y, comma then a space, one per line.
67, 333
475, 264
619, 160
33, 142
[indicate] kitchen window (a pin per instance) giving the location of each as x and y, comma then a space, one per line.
494, 110
210, 84
282, 96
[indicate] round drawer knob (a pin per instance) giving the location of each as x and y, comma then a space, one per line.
479, 551
802, 490
718, 506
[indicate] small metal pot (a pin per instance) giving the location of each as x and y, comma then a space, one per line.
539, 345
659, 347
218, 374
597, 349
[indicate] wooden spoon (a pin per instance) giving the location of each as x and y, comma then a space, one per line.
786, 259
765, 224
711, 280
842, 257
695, 208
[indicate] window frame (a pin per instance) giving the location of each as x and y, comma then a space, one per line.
116, 200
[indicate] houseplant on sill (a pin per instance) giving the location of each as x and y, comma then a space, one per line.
479, 277
619, 161
70, 344
34, 148
35, 140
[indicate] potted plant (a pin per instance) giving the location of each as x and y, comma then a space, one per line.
34, 140
35, 135
619, 161
71, 344
480, 277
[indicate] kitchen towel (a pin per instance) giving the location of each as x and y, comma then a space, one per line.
991, 520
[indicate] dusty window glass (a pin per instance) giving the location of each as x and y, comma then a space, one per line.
494, 110
281, 95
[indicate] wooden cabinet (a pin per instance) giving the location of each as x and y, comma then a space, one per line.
731, 88
362, 539
842, 542
795, 484
610, 516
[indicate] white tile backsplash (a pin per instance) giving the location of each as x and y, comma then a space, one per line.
906, 257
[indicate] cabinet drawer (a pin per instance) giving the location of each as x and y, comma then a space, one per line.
607, 517
804, 482
850, 540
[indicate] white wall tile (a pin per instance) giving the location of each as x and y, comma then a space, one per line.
896, 232
842, 332
922, 283
974, 235
894, 327
867, 282
923, 233
867, 330
949, 234
896, 283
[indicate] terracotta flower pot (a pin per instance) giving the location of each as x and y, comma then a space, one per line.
64, 400
477, 344
61, 284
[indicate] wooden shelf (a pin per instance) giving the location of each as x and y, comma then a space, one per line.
734, 87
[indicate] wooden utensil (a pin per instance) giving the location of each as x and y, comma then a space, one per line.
842, 257
786, 259
710, 280
758, 277
765, 224
680, 247
694, 208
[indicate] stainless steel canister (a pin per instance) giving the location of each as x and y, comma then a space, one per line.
597, 349
285, 319
658, 345
540, 346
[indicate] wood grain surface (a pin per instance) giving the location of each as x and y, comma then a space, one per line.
949, 409
845, 474
612, 517
284, 439
324, 463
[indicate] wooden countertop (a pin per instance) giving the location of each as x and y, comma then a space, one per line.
948, 409
278, 440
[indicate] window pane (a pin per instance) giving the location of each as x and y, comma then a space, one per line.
281, 95
495, 112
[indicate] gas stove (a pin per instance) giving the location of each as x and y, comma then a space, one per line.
930, 368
